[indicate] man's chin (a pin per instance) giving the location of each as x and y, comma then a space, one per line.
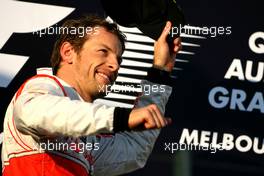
102, 94
98, 95
104, 89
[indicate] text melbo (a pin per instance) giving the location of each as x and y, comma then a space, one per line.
228, 141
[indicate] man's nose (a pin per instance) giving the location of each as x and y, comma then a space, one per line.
113, 64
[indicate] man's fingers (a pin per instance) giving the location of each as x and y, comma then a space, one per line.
177, 49
165, 31
168, 121
155, 116
150, 123
149, 120
161, 120
177, 45
148, 117
177, 41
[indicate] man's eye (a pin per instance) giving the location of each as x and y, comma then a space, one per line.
103, 50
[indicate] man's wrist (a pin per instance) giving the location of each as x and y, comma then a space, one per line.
159, 76
121, 116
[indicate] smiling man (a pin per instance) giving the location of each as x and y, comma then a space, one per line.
54, 127
87, 75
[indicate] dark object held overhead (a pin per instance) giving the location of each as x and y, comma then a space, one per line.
149, 16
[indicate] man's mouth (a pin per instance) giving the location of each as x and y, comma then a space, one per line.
104, 77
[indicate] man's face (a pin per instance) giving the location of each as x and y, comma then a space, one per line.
97, 64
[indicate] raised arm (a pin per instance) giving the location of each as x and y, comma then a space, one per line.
127, 151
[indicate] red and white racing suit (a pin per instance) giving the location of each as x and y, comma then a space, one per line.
46, 110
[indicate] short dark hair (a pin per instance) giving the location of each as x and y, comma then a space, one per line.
76, 40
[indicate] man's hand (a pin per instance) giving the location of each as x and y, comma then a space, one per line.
148, 117
164, 55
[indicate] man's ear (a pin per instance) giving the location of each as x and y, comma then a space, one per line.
67, 52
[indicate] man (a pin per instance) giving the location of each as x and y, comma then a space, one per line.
53, 127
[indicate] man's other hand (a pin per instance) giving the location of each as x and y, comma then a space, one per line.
164, 52
148, 117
